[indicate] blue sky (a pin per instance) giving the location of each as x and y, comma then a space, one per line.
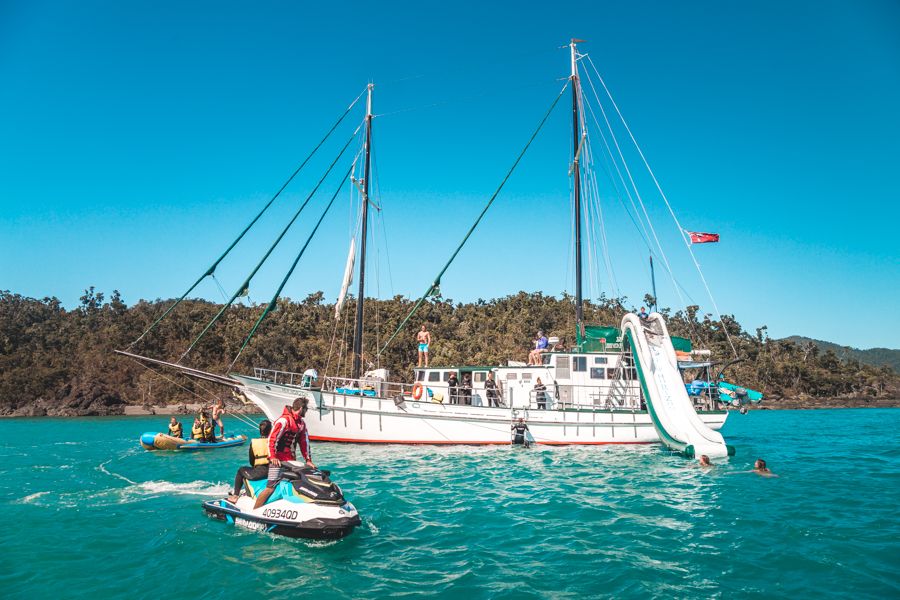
138, 138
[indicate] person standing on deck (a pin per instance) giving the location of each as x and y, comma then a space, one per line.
540, 394
423, 338
491, 391
287, 430
453, 388
467, 389
643, 314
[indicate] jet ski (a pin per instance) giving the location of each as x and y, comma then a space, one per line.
164, 441
305, 504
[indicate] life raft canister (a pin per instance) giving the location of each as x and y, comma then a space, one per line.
418, 390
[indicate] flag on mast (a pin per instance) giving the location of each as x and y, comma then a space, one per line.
702, 238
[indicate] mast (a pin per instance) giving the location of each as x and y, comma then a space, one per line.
358, 338
576, 144
653, 281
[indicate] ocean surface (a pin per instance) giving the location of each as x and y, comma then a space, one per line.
88, 512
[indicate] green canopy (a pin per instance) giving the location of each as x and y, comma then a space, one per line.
600, 339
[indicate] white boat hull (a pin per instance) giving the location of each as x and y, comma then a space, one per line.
337, 417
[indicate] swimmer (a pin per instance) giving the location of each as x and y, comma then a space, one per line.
704, 461
760, 468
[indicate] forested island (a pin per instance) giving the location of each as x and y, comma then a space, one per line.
60, 362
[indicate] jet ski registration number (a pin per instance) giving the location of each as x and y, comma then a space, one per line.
277, 513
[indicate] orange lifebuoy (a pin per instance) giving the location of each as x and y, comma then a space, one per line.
418, 390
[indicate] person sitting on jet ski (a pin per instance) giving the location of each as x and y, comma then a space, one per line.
519, 428
175, 429
259, 460
289, 429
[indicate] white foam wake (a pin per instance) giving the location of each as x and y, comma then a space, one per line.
193, 488
32, 497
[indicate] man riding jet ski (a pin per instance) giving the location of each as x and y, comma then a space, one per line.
297, 500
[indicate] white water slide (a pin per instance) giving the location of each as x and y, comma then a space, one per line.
671, 410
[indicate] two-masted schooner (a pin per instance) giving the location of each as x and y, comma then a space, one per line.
615, 385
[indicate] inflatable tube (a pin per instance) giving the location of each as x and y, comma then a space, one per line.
163, 441
418, 390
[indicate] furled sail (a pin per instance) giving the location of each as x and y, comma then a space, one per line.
348, 278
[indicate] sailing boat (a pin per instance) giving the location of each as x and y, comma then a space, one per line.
617, 385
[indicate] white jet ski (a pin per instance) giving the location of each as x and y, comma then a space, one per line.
305, 504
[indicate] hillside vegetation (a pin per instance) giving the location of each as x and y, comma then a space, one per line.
55, 361
878, 357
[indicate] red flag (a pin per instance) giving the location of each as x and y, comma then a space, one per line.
703, 238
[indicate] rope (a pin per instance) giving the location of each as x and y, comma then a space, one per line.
284, 231
238, 416
436, 284
681, 229
290, 272
215, 264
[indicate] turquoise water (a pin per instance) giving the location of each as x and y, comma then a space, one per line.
87, 511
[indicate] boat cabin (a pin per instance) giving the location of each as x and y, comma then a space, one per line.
572, 380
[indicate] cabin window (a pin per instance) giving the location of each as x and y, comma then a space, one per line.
526, 376
579, 363
420, 376
479, 376
610, 373
434, 376
545, 358
600, 360
598, 373
562, 367
511, 376
630, 374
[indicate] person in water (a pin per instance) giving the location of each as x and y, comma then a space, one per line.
175, 428
218, 410
259, 460
540, 346
704, 461
519, 428
423, 338
289, 429
760, 468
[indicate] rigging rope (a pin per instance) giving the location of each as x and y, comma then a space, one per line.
215, 264
265, 257
681, 229
436, 284
290, 272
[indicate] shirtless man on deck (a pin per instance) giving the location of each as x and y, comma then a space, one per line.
423, 338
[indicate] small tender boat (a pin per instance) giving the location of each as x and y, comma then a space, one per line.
164, 441
306, 504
